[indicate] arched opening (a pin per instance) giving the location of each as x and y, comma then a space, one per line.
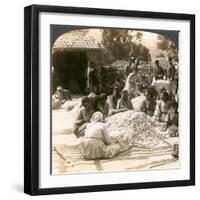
70, 70
72, 54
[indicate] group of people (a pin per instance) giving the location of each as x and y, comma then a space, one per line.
90, 124
170, 74
160, 106
95, 108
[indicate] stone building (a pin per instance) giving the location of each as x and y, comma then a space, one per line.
72, 54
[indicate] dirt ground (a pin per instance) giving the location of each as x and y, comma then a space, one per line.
66, 157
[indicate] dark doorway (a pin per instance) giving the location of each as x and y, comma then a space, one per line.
70, 70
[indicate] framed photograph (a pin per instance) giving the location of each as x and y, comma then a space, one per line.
109, 99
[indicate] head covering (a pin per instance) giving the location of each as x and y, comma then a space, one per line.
92, 95
103, 96
59, 87
97, 117
132, 59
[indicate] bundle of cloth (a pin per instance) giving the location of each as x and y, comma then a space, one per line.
137, 102
160, 84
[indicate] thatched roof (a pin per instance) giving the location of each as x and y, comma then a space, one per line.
76, 40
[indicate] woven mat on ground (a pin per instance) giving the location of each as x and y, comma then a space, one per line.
133, 159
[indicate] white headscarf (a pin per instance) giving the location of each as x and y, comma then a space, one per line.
97, 117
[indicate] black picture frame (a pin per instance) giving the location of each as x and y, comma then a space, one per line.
31, 99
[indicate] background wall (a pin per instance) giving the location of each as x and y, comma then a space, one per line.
11, 100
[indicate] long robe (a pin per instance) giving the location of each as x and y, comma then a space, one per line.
97, 143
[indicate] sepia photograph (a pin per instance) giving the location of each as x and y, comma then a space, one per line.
114, 99
109, 99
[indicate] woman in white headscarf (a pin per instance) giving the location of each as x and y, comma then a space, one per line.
132, 84
97, 143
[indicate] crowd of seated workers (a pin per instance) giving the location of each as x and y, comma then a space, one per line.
161, 106
95, 108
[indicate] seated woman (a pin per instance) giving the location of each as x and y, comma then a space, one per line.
97, 143
56, 102
63, 94
85, 112
132, 84
173, 119
102, 105
149, 104
92, 96
124, 102
60, 97
112, 101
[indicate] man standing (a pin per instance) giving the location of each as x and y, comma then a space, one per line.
129, 67
158, 71
92, 78
171, 70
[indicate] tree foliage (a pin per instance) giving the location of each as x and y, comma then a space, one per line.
120, 45
167, 46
